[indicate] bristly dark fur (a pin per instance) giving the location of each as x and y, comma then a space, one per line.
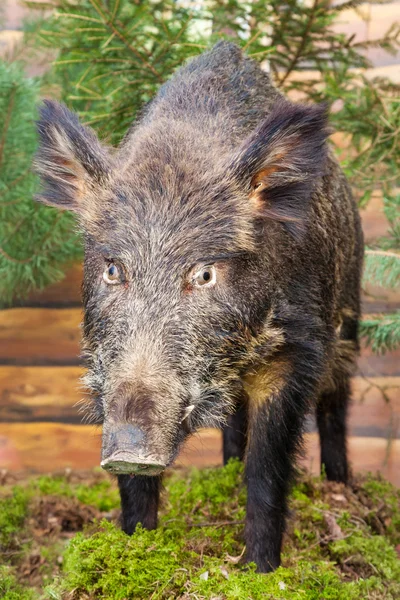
289, 148
219, 170
70, 154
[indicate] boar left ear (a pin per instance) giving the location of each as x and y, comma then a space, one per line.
282, 160
70, 160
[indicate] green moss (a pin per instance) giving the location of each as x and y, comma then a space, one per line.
10, 589
113, 565
52, 486
13, 510
383, 494
373, 553
196, 549
204, 493
103, 495
108, 564
192, 554
306, 581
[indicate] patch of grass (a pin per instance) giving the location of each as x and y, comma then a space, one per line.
102, 495
306, 581
13, 511
50, 555
383, 499
110, 564
157, 564
203, 493
194, 552
340, 543
10, 589
375, 555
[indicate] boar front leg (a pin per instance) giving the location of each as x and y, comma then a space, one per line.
274, 438
139, 501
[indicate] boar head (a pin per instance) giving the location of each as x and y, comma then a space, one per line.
179, 229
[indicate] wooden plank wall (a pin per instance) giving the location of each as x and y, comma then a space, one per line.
40, 425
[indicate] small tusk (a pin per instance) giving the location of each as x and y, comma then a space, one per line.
187, 412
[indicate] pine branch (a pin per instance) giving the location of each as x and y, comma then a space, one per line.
35, 243
302, 45
382, 268
353, 4
106, 19
6, 123
382, 332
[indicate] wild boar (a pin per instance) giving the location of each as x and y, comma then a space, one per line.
223, 253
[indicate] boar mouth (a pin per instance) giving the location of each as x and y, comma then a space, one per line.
127, 463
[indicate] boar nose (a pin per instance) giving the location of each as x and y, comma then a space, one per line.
124, 452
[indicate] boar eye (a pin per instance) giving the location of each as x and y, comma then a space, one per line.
206, 276
111, 274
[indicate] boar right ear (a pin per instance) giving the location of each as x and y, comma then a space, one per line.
70, 160
280, 163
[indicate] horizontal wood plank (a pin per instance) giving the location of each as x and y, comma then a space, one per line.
65, 293
378, 365
366, 454
51, 394
375, 407
39, 336
46, 447
30, 394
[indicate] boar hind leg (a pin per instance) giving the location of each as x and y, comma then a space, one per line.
234, 433
333, 404
139, 501
331, 420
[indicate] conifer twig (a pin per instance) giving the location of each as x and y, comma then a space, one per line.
382, 253
111, 25
7, 122
302, 44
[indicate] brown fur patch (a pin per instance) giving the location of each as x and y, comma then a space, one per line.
259, 183
266, 381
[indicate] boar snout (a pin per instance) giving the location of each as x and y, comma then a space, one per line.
124, 451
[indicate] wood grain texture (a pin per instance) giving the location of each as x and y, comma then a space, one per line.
50, 394
42, 447
44, 336
46, 447
39, 336
375, 407
65, 293
40, 394
365, 454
